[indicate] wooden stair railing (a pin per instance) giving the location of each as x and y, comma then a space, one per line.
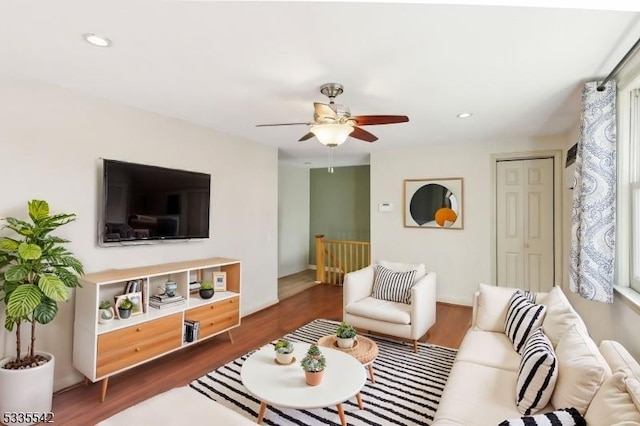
335, 258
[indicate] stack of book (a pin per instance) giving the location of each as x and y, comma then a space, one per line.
161, 301
191, 330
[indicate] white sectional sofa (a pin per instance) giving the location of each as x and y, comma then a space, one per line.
603, 385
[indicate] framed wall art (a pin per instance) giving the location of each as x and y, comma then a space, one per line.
433, 203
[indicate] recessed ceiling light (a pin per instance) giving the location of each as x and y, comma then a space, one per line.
464, 115
97, 40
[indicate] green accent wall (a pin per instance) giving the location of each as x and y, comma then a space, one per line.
340, 205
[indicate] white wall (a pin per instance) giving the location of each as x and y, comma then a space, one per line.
461, 258
51, 142
293, 219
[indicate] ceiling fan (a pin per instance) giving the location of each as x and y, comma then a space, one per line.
333, 123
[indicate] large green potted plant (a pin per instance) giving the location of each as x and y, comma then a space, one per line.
36, 272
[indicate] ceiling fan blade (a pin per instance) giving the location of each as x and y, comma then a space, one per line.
305, 137
282, 124
322, 112
369, 120
362, 134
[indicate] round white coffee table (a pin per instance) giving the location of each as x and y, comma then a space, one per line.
285, 385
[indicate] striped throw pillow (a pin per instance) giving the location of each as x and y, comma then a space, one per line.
561, 417
393, 286
537, 374
523, 316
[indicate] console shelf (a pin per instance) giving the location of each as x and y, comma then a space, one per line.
102, 350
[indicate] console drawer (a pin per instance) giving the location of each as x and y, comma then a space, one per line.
216, 316
122, 348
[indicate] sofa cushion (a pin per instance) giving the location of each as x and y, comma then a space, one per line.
612, 404
478, 395
523, 317
560, 315
561, 417
420, 268
582, 369
493, 303
489, 348
393, 286
537, 375
382, 310
619, 359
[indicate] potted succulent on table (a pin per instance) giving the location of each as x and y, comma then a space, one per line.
206, 290
36, 272
346, 335
124, 309
105, 312
284, 352
313, 365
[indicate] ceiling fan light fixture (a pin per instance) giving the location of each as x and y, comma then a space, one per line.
332, 134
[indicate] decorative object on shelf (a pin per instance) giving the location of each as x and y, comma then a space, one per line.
433, 203
105, 312
313, 365
284, 352
346, 335
125, 307
37, 272
135, 299
206, 290
170, 288
133, 286
220, 281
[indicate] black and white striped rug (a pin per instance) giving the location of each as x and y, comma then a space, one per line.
406, 392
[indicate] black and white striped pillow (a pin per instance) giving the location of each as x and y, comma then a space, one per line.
561, 417
393, 286
523, 316
537, 374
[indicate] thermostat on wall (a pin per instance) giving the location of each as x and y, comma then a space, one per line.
385, 207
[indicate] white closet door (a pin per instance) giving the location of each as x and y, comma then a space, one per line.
524, 224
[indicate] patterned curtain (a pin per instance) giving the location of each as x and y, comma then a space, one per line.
591, 269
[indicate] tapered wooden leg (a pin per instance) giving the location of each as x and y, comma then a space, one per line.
343, 419
371, 376
86, 381
359, 399
263, 409
230, 336
105, 383
415, 346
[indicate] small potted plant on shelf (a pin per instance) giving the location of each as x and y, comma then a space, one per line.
206, 290
313, 365
284, 352
105, 313
124, 309
346, 335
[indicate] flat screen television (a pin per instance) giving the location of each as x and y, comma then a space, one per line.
143, 202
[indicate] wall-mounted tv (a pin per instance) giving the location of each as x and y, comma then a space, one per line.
143, 202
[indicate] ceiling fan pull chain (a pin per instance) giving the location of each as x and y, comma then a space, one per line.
330, 166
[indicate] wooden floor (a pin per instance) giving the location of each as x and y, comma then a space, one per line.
295, 283
81, 405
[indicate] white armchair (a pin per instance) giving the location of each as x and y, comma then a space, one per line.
407, 321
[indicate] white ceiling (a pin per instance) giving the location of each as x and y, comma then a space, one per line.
231, 65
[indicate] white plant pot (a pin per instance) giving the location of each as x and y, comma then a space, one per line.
27, 391
345, 343
284, 358
105, 316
